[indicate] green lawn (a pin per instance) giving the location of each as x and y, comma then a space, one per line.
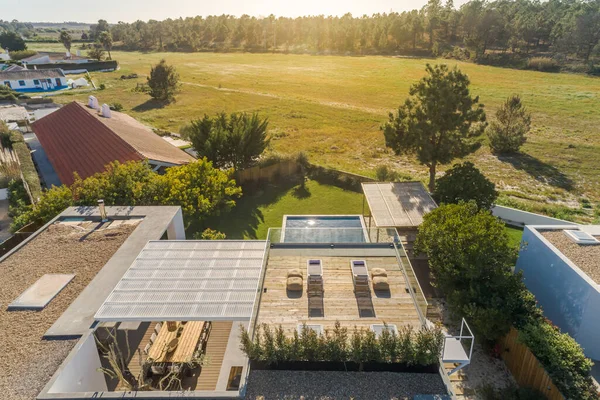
255, 213
514, 235
331, 107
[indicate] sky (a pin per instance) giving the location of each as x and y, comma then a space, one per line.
131, 10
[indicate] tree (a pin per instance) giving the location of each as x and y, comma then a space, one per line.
97, 29
471, 262
96, 52
464, 182
84, 36
163, 81
439, 122
106, 39
65, 39
234, 141
508, 132
12, 41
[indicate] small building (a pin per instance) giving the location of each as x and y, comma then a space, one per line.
561, 267
34, 80
53, 58
78, 138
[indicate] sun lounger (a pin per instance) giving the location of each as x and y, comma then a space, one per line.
314, 287
360, 277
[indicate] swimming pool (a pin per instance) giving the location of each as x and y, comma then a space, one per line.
323, 229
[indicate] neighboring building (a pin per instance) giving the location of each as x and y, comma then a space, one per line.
34, 80
561, 267
12, 67
78, 138
53, 58
75, 243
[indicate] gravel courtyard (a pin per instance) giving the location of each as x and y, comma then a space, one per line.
321, 385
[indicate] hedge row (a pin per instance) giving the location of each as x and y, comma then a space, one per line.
90, 66
30, 174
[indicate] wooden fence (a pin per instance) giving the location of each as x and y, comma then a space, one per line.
525, 368
269, 173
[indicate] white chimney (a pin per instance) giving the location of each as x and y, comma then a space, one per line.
93, 103
105, 111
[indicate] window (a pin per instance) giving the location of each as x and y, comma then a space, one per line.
49, 80
21, 83
58, 83
235, 376
36, 82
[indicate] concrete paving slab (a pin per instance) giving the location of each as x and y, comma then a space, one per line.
38, 295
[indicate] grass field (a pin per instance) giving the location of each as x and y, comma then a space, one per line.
331, 107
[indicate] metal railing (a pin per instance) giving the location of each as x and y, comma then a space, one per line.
310, 235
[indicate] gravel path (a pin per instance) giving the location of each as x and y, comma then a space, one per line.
27, 362
310, 385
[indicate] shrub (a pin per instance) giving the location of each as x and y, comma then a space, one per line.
487, 392
7, 94
163, 82
116, 106
27, 167
209, 234
386, 174
508, 132
18, 199
410, 347
464, 182
544, 64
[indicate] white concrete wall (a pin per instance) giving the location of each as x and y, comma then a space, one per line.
81, 374
515, 217
29, 83
3, 194
176, 230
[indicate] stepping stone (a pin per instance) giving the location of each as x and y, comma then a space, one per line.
38, 295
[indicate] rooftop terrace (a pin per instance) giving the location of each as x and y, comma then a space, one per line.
585, 257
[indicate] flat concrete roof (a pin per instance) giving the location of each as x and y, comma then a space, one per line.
38, 295
79, 317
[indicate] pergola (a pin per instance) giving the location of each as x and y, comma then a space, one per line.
188, 280
397, 204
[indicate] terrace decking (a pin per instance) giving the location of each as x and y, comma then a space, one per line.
215, 352
278, 307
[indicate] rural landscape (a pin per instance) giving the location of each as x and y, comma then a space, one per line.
398, 205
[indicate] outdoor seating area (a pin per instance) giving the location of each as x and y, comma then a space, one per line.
339, 287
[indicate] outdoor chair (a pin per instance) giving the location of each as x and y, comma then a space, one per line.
147, 348
152, 337
360, 277
380, 279
314, 287
157, 327
294, 281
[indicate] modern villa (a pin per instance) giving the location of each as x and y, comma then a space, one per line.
163, 316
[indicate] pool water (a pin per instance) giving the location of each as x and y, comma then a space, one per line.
323, 229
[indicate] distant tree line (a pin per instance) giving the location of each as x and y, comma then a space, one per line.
564, 28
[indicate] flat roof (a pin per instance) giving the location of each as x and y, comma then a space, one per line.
207, 280
397, 204
278, 306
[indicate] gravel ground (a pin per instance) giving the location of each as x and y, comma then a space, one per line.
321, 385
587, 258
27, 362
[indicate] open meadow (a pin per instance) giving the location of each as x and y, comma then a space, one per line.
331, 107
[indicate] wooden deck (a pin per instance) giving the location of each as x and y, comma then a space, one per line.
278, 307
215, 351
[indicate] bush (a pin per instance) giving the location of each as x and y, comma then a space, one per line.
544, 64
209, 234
510, 393
18, 199
464, 182
409, 347
163, 82
21, 54
7, 94
27, 167
508, 132
116, 106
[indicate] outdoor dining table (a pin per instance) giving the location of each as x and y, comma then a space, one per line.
184, 352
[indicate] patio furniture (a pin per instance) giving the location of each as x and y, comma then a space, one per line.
153, 338
186, 343
158, 368
315, 283
157, 327
172, 345
147, 348
294, 280
380, 279
360, 277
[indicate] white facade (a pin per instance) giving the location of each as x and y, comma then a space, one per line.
34, 85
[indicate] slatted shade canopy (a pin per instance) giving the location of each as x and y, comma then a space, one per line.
190, 280
397, 204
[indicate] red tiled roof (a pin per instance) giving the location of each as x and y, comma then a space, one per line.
75, 141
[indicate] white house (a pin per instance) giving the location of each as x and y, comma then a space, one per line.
53, 58
34, 80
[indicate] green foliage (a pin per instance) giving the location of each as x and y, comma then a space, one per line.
12, 41
197, 187
7, 94
508, 132
544, 64
562, 358
209, 234
27, 167
509, 393
66, 39
107, 41
96, 52
464, 182
471, 260
422, 347
21, 54
234, 141
439, 122
163, 82
18, 199
116, 106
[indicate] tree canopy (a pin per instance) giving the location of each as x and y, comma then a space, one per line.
12, 41
507, 133
105, 38
66, 39
439, 122
163, 81
200, 189
463, 182
234, 141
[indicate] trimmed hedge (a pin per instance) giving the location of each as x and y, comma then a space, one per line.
27, 167
91, 66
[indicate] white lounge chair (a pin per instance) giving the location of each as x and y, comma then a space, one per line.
360, 277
